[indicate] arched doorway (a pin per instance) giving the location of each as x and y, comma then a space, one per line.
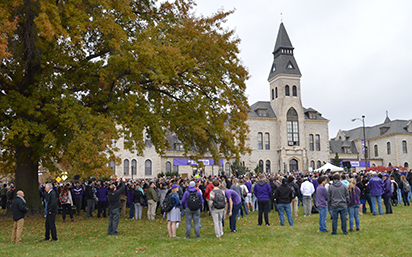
293, 165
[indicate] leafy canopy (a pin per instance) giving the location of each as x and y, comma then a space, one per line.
76, 74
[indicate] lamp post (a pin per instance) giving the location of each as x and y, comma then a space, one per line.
364, 139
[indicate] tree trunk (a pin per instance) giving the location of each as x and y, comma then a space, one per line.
27, 178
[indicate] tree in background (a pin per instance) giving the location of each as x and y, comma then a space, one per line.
76, 75
336, 160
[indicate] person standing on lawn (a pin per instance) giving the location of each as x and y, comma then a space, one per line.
78, 197
321, 203
307, 190
376, 186
173, 216
102, 192
66, 202
283, 197
113, 198
338, 199
151, 201
194, 196
248, 198
51, 199
387, 193
217, 204
19, 211
233, 205
263, 192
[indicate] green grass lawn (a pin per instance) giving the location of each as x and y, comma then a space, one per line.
386, 235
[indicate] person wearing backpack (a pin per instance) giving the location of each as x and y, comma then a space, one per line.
263, 192
405, 189
66, 201
295, 194
192, 203
217, 204
173, 216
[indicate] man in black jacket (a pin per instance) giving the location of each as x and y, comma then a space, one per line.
114, 207
283, 196
19, 211
51, 199
89, 199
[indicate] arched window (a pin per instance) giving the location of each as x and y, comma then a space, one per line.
390, 165
311, 143
317, 139
406, 165
267, 166
148, 167
168, 167
293, 165
267, 141
388, 148
375, 148
175, 168
134, 167
276, 92
261, 165
287, 92
294, 91
292, 127
260, 141
126, 167
312, 164
273, 94
227, 168
112, 165
318, 164
404, 147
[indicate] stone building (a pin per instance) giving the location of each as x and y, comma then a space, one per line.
387, 144
284, 136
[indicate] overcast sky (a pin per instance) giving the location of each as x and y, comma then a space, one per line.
355, 56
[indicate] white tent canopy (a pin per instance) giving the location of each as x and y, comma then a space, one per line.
329, 166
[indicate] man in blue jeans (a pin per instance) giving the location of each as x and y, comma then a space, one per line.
114, 206
338, 199
321, 203
376, 186
283, 197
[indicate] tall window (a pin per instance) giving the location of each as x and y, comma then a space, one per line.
227, 168
267, 166
318, 164
267, 141
312, 164
287, 91
261, 165
276, 92
126, 167
388, 148
294, 91
148, 167
112, 165
404, 147
168, 167
134, 167
292, 127
311, 143
317, 138
406, 165
260, 141
175, 168
273, 94
375, 148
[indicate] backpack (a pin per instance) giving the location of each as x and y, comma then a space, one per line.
139, 196
167, 204
194, 201
293, 190
64, 197
244, 191
219, 201
406, 186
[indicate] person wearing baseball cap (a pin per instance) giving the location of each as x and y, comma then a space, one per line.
173, 216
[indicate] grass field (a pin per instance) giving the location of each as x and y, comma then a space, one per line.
385, 235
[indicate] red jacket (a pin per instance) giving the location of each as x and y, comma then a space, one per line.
209, 189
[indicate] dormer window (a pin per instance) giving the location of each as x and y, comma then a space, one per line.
262, 113
312, 115
383, 130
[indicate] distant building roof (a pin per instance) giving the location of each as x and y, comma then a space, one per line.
337, 146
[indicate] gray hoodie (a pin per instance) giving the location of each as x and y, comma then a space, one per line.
338, 195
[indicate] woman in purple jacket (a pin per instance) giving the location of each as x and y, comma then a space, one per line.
353, 206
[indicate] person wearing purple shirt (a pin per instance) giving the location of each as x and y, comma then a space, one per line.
354, 203
387, 193
192, 214
315, 186
102, 200
263, 191
376, 186
77, 193
233, 204
321, 202
248, 198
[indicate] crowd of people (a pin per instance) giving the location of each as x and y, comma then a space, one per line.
223, 196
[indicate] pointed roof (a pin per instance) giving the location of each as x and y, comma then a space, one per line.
284, 62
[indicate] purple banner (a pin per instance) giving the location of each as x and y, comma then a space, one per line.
190, 162
355, 164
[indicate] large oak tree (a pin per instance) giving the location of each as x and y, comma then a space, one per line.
76, 74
